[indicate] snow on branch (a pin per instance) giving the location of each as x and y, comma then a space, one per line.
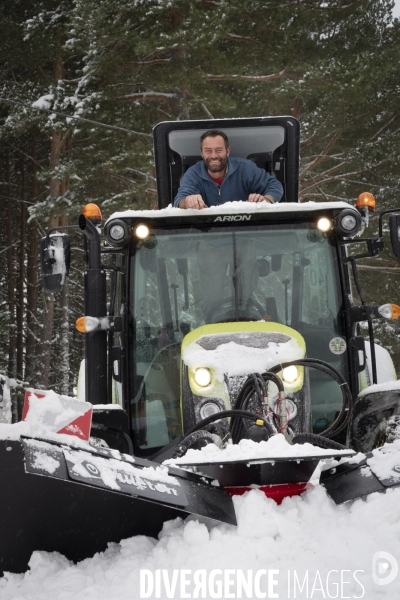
239, 38
141, 96
156, 61
142, 173
211, 77
384, 127
391, 270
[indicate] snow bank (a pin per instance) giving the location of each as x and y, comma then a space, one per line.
275, 447
385, 461
304, 535
239, 207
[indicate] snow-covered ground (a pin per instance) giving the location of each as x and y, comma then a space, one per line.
305, 542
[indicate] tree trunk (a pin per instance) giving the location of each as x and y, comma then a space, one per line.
180, 103
56, 148
64, 327
10, 272
47, 331
32, 280
21, 281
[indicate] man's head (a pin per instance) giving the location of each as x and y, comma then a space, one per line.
215, 150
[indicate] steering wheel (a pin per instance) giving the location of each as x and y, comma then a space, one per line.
227, 310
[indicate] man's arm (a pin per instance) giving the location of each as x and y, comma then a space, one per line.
189, 193
263, 186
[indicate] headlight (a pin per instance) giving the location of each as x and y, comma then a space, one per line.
348, 222
324, 224
290, 374
117, 232
208, 409
202, 376
142, 232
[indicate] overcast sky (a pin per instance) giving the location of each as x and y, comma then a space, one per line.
396, 10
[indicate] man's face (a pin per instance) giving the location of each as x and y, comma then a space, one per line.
214, 153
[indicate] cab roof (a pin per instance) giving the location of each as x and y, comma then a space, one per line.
233, 208
272, 143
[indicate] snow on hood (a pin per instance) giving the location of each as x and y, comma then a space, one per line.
238, 207
275, 447
236, 359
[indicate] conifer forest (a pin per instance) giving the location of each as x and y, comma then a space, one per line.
130, 64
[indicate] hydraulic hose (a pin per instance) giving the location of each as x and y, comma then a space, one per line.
254, 384
341, 421
243, 414
189, 440
317, 440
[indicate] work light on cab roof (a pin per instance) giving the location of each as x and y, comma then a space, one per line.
366, 200
92, 212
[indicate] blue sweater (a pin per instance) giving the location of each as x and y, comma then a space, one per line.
243, 178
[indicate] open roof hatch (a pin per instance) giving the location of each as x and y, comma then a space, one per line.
271, 142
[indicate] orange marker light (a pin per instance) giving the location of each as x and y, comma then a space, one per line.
92, 211
389, 311
80, 324
88, 324
366, 200
395, 311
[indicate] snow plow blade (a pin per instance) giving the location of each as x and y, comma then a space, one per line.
259, 471
373, 472
58, 498
277, 477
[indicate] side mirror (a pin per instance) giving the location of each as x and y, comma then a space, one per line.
394, 226
55, 254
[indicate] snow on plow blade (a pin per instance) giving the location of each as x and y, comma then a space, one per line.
58, 498
276, 477
376, 471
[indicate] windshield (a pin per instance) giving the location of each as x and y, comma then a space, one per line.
184, 278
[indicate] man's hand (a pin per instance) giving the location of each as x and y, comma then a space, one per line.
260, 198
194, 201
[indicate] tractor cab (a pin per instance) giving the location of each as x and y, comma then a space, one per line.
243, 307
244, 277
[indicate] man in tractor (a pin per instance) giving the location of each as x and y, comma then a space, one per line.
219, 179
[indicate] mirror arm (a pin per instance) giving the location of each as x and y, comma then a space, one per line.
49, 231
375, 245
385, 212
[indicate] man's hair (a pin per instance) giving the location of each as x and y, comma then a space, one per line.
214, 133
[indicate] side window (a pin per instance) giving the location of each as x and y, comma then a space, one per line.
117, 342
319, 295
